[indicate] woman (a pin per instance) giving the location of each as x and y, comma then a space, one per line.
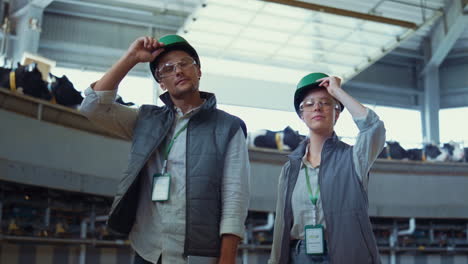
321, 213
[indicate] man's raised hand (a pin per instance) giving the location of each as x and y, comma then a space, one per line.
145, 49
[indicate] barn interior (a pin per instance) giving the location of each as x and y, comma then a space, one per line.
59, 172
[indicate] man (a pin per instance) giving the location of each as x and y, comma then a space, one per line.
321, 213
184, 196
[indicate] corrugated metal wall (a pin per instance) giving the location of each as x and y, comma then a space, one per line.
87, 43
86, 31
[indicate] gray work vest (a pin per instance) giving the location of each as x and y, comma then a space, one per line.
350, 238
208, 135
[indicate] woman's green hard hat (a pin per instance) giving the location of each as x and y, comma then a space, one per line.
305, 85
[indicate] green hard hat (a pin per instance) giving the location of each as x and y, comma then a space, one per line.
173, 42
306, 84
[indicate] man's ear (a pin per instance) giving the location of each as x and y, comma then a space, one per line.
161, 85
199, 73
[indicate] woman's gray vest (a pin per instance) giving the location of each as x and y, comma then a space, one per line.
208, 135
350, 238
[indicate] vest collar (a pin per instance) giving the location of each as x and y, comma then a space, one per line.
299, 152
208, 105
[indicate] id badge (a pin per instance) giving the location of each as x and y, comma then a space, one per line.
161, 187
314, 240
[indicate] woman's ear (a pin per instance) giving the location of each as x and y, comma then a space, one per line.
337, 115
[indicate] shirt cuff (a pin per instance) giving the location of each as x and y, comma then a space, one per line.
367, 121
232, 226
105, 97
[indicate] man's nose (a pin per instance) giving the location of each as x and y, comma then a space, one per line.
177, 68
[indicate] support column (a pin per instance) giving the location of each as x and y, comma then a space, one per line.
444, 35
421, 103
425, 137
28, 20
431, 104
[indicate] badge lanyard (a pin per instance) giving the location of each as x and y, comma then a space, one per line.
169, 147
313, 198
313, 234
162, 181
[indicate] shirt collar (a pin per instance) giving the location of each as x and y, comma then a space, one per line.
190, 113
304, 158
209, 97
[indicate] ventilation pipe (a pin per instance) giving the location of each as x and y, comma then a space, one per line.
394, 237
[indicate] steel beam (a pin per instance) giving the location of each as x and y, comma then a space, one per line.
344, 12
407, 53
445, 33
116, 15
19, 11
41, 3
174, 8
383, 88
458, 54
455, 91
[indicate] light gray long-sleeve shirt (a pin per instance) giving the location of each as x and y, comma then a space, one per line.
160, 226
369, 143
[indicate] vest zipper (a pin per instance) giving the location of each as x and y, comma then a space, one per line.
187, 201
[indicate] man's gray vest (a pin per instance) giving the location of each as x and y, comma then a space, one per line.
208, 135
350, 238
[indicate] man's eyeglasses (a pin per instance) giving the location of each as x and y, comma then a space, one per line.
169, 69
310, 104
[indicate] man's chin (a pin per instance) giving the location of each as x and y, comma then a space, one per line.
182, 92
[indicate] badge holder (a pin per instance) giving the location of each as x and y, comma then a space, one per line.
314, 239
314, 235
161, 185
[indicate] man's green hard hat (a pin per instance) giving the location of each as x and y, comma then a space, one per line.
305, 85
173, 42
